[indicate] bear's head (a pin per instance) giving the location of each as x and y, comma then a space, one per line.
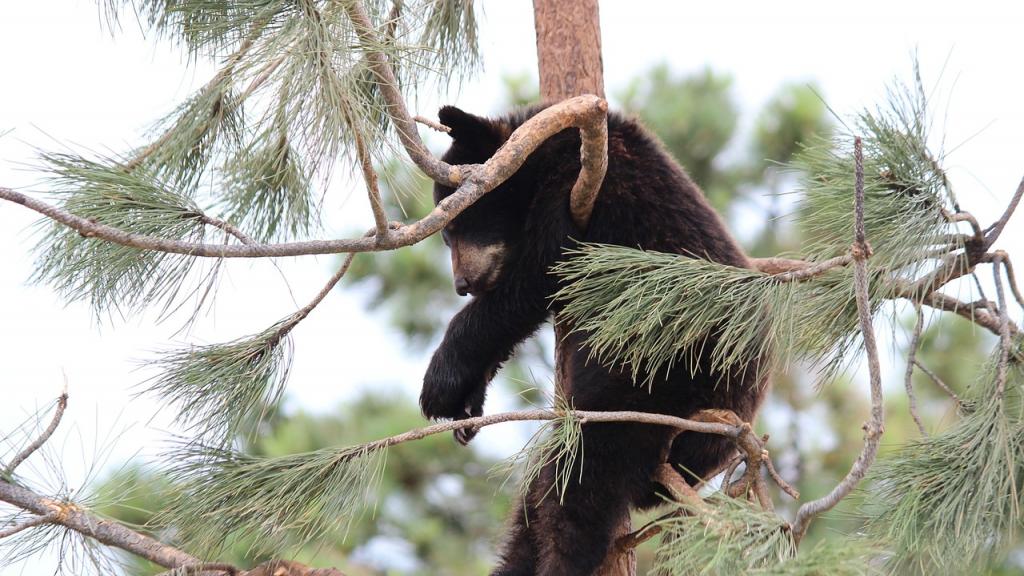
484, 236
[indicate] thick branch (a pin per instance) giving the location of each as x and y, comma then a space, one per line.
576, 112
88, 524
593, 165
874, 428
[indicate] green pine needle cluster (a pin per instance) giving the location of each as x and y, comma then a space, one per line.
267, 188
557, 442
734, 536
649, 311
275, 503
294, 93
112, 277
450, 28
224, 391
952, 502
188, 138
905, 188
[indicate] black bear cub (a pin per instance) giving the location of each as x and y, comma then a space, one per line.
502, 248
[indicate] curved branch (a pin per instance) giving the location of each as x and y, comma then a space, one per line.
480, 179
997, 228
593, 166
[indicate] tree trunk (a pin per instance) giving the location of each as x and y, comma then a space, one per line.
569, 59
568, 48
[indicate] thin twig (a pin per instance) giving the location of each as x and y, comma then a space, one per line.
977, 236
380, 217
997, 228
938, 381
874, 428
227, 227
785, 486
806, 273
908, 379
1004, 330
1011, 278
730, 471
947, 303
432, 124
62, 404
202, 567
31, 523
480, 179
690, 425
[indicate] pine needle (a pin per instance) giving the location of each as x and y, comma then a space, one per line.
953, 502
112, 277
275, 503
223, 391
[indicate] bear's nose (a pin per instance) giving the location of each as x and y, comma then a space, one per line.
462, 285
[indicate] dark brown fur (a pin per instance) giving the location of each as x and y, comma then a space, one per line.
646, 201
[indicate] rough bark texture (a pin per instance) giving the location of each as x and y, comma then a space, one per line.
569, 59
568, 48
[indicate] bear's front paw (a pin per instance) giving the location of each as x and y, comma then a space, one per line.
464, 435
447, 390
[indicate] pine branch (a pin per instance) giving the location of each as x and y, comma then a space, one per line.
874, 428
70, 515
30, 523
476, 181
396, 109
222, 389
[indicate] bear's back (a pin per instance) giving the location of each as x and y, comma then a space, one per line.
646, 200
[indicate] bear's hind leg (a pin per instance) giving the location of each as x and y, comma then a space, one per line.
519, 553
574, 536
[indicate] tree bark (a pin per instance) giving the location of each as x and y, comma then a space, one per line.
569, 60
568, 48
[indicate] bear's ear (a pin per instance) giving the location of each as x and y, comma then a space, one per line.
471, 130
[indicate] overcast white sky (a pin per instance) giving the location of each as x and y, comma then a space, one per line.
63, 79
